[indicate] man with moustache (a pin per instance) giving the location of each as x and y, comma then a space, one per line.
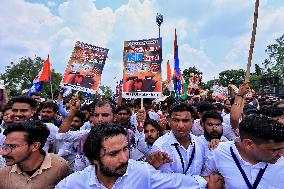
256, 160
47, 112
107, 149
27, 164
211, 122
149, 135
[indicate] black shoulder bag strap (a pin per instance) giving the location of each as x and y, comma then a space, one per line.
258, 177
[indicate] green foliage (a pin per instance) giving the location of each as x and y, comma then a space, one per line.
209, 84
106, 92
20, 76
165, 89
275, 63
228, 77
191, 71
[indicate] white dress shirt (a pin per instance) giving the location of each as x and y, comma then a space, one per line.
166, 144
139, 175
2, 160
72, 142
223, 162
51, 139
142, 146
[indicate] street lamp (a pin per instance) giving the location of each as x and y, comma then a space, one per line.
159, 21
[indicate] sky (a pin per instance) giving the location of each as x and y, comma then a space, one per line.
213, 35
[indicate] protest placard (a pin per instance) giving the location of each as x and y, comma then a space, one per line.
85, 67
142, 68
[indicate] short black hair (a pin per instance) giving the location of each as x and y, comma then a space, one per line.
211, 114
105, 102
261, 128
8, 106
85, 107
50, 105
35, 94
97, 135
152, 122
204, 106
271, 112
36, 130
80, 115
276, 104
181, 107
25, 99
123, 107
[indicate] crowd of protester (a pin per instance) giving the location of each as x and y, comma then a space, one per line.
193, 143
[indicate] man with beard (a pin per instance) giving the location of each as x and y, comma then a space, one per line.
47, 112
150, 135
211, 121
107, 149
256, 160
74, 140
27, 164
197, 128
226, 111
122, 116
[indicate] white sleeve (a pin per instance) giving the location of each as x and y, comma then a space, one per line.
71, 136
175, 180
210, 165
228, 132
165, 167
141, 144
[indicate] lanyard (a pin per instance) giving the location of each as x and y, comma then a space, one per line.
181, 159
258, 177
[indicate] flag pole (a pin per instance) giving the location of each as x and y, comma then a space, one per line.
51, 89
50, 82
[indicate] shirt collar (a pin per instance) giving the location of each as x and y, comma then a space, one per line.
242, 161
93, 180
46, 164
173, 140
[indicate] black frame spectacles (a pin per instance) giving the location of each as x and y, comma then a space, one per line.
10, 147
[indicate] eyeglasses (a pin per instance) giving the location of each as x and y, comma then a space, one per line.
214, 125
9, 147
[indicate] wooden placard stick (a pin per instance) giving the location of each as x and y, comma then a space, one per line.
252, 41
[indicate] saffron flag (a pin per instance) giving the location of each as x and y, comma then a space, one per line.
42, 76
169, 71
169, 74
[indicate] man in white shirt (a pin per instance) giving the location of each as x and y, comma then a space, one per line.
148, 136
182, 147
256, 161
211, 121
197, 128
107, 149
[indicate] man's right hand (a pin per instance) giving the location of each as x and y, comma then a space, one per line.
157, 159
215, 181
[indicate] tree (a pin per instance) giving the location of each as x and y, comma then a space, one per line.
209, 84
20, 76
191, 71
255, 78
275, 62
228, 77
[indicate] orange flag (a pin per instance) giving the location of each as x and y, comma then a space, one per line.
169, 71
